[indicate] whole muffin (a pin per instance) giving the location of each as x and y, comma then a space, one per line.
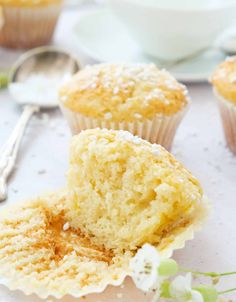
125, 192
139, 98
28, 23
224, 83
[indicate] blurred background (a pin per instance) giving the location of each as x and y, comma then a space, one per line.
189, 38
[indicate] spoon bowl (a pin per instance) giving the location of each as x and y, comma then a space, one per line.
34, 73
48, 65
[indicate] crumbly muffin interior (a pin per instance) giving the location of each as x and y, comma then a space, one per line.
125, 192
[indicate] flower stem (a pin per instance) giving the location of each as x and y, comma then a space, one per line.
227, 291
209, 274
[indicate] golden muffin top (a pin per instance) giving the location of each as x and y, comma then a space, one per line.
224, 79
123, 92
28, 3
125, 192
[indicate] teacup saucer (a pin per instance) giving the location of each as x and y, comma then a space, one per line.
105, 39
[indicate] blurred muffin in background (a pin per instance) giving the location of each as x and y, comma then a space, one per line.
224, 83
28, 23
139, 98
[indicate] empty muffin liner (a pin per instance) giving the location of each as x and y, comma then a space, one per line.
160, 130
228, 116
28, 27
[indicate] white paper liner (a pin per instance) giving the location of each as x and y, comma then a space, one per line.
187, 233
28, 27
24, 247
44, 294
28, 287
160, 130
228, 116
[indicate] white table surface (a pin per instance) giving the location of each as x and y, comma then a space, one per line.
199, 144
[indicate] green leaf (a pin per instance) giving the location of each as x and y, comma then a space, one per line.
209, 293
165, 290
3, 79
168, 267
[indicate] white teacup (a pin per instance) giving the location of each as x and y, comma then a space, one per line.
174, 29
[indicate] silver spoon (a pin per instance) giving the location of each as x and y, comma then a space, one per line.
46, 61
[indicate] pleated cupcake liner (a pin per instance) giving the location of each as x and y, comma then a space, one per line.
23, 281
28, 27
160, 130
228, 116
187, 233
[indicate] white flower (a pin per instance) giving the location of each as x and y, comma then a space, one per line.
181, 290
144, 268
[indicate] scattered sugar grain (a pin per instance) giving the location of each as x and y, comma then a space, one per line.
52, 125
108, 115
155, 152
116, 90
45, 118
64, 98
66, 226
137, 116
41, 172
93, 85
218, 168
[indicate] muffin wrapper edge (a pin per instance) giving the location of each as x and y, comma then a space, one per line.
187, 233
27, 27
160, 130
26, 286
228, 116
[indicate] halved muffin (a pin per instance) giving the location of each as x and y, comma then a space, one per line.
125, 192
122, 192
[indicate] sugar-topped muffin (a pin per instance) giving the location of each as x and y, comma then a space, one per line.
139, 98
125, 192
224, 79
124, 92
224, 83
28, 23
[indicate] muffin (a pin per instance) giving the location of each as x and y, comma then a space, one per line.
139, 98
122, 192
224, 84
28, 23
125, 192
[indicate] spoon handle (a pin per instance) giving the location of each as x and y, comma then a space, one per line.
9, 151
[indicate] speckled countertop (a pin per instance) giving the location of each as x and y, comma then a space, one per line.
199, 144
